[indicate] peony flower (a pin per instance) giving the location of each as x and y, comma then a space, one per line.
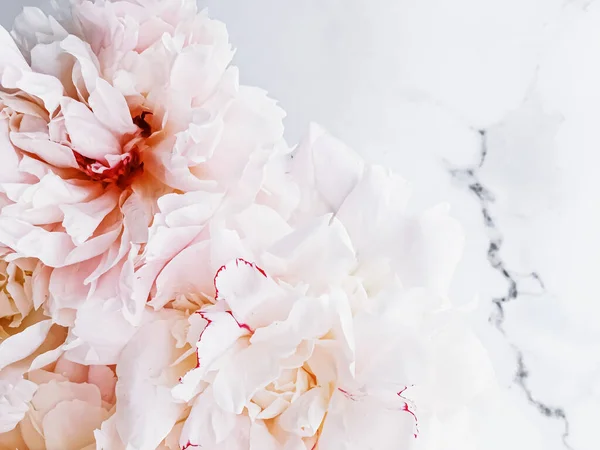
338, 318
104, 111
16, 292
42, 393
28, 341
69, 394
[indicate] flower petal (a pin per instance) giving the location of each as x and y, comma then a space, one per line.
87, 134
111, 109
21, 345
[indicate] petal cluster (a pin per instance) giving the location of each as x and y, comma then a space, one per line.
173, 276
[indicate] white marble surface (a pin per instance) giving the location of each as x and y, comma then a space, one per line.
493, 106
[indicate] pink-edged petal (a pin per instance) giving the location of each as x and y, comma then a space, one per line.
356, 423
220, 333
174, 170
254, 298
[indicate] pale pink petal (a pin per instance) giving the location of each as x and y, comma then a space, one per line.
137, 215
262, 226
100, 332
370, 210
146, 411
21, 345
163, 245
94, 246
38, 143
105, 379
45, 87
10, 56
197, 69
182, 275
107, 437
304, 416
86, 60
309, 318
191, 208
262, 438
259, 367
75, 373
59, 432
66, 294
82, 219
51, 393
88, 136
207, 425
328, 169
111, 109
8, 169
14, 402
320, 251
46, 358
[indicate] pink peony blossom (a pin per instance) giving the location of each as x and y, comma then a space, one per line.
68, 404
104, 113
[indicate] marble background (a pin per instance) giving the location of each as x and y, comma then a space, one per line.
494, 107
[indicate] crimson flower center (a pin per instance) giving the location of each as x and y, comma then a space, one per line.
122, 172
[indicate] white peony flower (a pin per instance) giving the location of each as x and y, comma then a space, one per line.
331, 330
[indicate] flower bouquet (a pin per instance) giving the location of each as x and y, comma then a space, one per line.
174, 276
